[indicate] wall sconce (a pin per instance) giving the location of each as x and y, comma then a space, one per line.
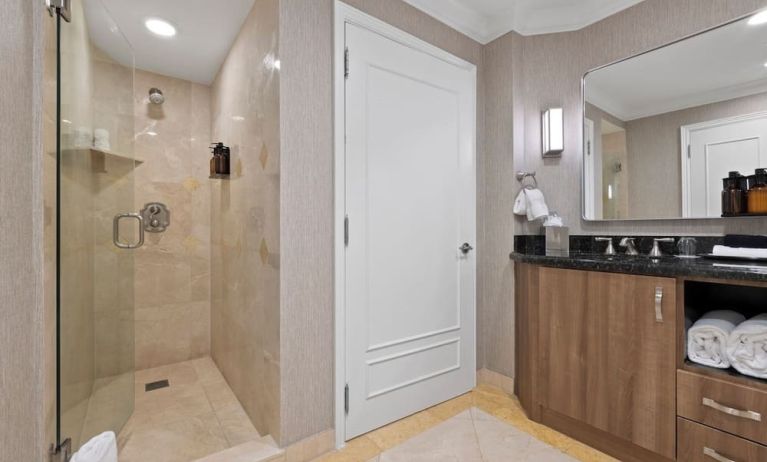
553, 132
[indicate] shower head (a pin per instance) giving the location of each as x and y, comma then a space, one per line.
156, 96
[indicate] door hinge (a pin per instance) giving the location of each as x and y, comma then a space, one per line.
62, 452
346, 62
61, 7
346, 399
689, 151
346, 230
588, 147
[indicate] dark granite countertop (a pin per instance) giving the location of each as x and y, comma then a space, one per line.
668, 266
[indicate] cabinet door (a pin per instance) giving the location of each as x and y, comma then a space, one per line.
609, 354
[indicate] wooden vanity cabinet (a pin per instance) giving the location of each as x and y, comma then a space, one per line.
599, 350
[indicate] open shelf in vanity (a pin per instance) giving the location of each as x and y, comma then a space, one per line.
721, 413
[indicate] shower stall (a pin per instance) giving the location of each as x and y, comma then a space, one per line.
167, 275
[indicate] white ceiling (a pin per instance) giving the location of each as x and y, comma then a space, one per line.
206, 30
725, 63
486, 20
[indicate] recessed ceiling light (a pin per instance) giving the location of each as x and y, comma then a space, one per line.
160, 27
758, 18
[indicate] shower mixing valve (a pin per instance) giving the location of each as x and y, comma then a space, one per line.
156, 217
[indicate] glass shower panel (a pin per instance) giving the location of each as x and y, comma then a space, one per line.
95, 183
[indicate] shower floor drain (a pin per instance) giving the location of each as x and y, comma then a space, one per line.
156, 385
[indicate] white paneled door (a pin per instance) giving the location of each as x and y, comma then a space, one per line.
410, 201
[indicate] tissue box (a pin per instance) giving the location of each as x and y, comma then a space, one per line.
557, 241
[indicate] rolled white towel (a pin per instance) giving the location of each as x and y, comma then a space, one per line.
707, 338
535, 204
746, 252
747, 347
100, 448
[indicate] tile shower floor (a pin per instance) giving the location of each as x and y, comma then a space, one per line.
196, 416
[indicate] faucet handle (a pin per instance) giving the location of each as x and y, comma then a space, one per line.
656, 252
610, 250
629, 243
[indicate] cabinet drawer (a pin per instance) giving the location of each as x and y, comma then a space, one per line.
698, 443
734, 408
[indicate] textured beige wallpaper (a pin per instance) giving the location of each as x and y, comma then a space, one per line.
25, 328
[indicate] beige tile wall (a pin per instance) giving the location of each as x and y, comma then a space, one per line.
245, 219
172, 275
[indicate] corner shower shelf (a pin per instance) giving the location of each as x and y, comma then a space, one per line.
105, 153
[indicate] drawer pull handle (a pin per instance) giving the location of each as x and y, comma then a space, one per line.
715, 455
659, 304
751, 415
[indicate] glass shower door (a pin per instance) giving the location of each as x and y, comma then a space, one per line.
95, 183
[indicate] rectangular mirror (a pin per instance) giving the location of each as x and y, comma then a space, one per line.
663, 129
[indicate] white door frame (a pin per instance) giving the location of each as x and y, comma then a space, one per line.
686, 136
344, 14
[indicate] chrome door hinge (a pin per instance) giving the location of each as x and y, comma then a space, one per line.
689, 151
346, 63
62, 452
346, 399
346, 230
61, 7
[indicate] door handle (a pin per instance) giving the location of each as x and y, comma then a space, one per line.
743, 414
116, 230
465, 248
715, 455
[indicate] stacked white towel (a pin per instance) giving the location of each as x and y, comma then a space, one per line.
747, 347
531, 203
742, 252
100, 448
707, 338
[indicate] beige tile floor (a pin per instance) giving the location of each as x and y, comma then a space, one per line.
501, 432
196, 416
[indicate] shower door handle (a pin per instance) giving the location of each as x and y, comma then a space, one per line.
116, 230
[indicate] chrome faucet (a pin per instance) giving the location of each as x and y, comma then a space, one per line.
629, 244
656, 252
610, 250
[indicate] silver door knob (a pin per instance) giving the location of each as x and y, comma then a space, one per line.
466, 248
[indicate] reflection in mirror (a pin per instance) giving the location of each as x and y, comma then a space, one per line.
664, 129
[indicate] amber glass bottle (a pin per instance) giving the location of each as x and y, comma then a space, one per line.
757, 195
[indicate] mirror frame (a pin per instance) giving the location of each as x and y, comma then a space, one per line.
583, 126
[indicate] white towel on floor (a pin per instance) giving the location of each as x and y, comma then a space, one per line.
100, 448
707, 338
747, 252
747, 347
535, 204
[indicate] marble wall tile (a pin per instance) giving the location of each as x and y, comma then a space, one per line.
172, 269
245, 223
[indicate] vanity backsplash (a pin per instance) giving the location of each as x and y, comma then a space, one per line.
536, 244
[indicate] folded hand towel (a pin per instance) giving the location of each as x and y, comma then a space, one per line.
747, 347
725, 251
535, 204
100, 448
707, 338
520, 204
